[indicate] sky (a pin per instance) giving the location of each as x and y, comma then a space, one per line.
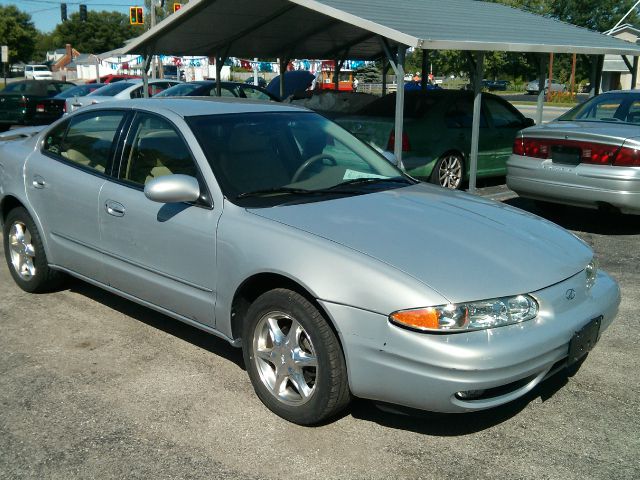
45, 14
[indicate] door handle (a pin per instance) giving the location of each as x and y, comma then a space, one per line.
38, 182
114, 208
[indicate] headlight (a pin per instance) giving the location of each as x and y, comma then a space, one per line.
496, 312
592, 272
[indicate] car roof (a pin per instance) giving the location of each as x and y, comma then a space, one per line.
196, 106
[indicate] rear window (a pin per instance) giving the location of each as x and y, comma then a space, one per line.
15, 88
113, 89
608, 108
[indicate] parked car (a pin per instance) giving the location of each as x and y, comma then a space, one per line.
296, 82
496, 85
436, 140
588, 157
262, 83
533, 87
74, 92
29, 102
361, 282
112, 78
119, 91
207, 88
37, 72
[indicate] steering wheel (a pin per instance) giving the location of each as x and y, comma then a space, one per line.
310, 161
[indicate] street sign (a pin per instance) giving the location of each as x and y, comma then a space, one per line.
5, 53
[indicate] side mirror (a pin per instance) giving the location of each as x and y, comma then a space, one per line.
173, 189
529, 122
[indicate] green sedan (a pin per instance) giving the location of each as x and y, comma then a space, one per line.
436, 142
29, 102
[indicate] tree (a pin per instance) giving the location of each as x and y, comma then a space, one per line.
18, 33
103, 31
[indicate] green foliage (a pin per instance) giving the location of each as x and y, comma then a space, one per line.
103, 31
369, 74
18, 33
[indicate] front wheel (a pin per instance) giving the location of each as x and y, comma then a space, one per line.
294, 359
449, 171
25, 254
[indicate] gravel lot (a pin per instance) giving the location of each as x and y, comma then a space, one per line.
93, 386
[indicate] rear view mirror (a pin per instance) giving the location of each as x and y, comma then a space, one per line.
173, 189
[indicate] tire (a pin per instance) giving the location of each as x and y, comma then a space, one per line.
25, 254
302, 376
448, 171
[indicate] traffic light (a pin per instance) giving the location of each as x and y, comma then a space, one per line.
63, 12
83, 13
176, 7
136, 16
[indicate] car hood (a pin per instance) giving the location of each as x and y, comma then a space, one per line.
575, 130
462, 246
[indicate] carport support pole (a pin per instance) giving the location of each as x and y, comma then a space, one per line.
597, 63
475, 127
283, 68
397, 63
145, 76
542, 67
634, 73
218, 74
424, 79
385, 67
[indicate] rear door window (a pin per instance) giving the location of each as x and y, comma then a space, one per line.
460, 115
85, 140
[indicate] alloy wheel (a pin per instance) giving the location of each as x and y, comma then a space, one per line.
22, 251
285, 358
450, 172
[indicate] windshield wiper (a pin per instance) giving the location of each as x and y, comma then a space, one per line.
368, 180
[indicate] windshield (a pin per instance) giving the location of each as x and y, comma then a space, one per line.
263, 159
180, 90
112, 89
40, 69
610, 108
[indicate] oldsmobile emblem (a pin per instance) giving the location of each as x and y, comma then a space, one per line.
570, 294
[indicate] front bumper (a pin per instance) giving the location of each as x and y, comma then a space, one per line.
425, 371
582, 185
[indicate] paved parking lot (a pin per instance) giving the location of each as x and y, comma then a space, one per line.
93, 386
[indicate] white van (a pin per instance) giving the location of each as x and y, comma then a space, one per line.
37, 72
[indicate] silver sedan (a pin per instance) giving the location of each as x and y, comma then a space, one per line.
275, 229
588, 157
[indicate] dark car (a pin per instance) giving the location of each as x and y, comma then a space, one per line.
207, 88
77, 91
30, 102
437, 133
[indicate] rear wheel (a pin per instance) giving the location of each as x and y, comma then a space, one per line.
294, 359
449, 171
25, 254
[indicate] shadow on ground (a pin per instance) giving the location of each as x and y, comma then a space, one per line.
206, 341
582, 219
452, 425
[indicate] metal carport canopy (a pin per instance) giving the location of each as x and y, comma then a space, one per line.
366, 29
